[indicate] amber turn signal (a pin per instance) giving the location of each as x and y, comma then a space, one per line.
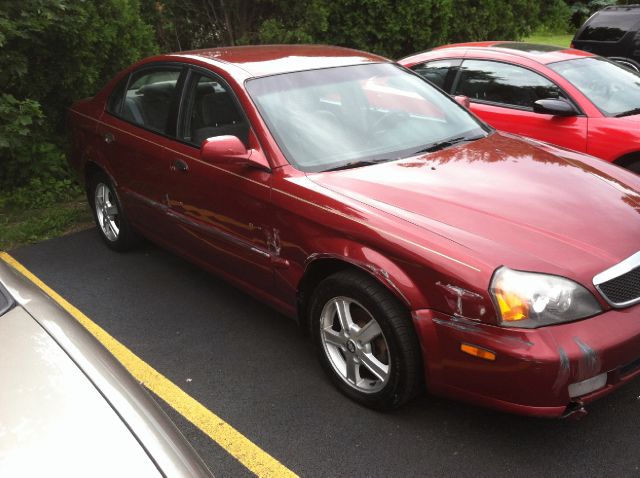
512, 307
477, 352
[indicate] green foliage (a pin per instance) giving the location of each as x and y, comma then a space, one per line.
20, 225
24, 150
57, 51
40, 193
583, 9
54, 52
476, 20
554, 16
388, 27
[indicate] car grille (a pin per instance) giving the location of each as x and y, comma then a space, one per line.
624, 288
620, 285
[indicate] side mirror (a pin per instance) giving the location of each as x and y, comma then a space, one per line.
463, 100
555, 107
230, 150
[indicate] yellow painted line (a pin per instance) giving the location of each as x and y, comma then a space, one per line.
234, 442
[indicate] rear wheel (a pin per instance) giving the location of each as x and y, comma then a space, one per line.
365, 340
108, 214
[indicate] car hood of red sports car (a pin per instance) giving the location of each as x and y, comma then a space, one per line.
511, 201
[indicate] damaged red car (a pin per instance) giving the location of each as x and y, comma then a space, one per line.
420, 247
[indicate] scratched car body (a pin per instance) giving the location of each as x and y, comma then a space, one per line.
417, 245
69, 408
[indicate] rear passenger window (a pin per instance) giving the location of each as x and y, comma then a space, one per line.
211, 111
149, 98
437, 72
502, 83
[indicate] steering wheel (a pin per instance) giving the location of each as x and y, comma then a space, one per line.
387, 118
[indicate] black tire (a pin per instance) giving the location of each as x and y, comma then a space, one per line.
367, 298
125, 238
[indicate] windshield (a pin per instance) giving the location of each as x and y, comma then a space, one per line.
356, 115
613, 89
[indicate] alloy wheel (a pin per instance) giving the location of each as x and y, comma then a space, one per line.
107, 212
355, 345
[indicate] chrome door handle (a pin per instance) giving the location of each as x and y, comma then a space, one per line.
179, 165
109, 138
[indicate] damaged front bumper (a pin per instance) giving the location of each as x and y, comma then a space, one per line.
548, 372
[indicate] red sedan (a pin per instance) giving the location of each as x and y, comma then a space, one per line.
416, 244
566, 97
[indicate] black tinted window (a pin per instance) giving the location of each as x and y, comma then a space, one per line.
212, 111
149, 98
436, 71
502, 83
114, 105
610, 26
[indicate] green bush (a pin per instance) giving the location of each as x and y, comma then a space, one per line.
24, 150
54, 52
389, 27
583, 9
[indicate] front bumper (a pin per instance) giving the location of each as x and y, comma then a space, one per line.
533, 368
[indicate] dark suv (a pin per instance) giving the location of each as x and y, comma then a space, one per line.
612, 32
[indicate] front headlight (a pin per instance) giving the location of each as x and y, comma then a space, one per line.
530, 300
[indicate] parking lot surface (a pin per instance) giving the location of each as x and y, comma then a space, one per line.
254, 369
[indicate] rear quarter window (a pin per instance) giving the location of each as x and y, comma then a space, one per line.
114, 104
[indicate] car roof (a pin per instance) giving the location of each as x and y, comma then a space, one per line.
543, 54
273, 59
619, 7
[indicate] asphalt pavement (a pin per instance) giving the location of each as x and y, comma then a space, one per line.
256, 370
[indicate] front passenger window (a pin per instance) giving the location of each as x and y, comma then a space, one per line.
212, 111
502, 83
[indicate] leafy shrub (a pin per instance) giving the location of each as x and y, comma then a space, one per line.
53, 52
24, 150
581, 9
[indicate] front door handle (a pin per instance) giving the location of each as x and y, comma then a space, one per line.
109, 137
179, 165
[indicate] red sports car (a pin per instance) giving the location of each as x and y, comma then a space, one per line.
566, 97
416, 244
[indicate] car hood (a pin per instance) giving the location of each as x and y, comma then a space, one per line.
53, 420
513, 201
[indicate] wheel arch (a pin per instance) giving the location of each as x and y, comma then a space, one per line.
91, 168
320, 266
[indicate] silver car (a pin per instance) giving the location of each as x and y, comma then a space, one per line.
68, 407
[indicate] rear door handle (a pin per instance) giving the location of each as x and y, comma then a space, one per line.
109, 137
179, 165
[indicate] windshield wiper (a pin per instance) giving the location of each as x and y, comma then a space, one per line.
445, 144
634, 111
357, 164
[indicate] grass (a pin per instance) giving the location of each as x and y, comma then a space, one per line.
563, 40
20, 226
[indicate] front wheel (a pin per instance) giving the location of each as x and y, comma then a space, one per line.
108, 214
365, 340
